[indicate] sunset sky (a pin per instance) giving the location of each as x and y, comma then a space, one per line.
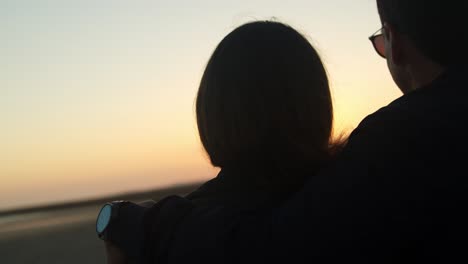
97, 96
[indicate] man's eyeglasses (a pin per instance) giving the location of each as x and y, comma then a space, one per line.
378, 42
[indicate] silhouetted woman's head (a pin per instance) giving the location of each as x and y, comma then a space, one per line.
264, 99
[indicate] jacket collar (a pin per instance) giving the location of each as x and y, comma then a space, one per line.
244, 188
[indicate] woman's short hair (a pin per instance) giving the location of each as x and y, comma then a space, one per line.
264, 99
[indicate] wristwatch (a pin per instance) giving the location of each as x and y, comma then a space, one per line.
123, 224
107, 216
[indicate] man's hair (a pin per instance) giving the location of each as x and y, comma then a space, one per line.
438, 28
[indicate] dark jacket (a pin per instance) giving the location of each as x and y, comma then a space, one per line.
397, 194
242, 191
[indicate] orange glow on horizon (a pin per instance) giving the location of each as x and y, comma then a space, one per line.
99, 98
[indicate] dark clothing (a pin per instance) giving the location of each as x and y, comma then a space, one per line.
397, 194
239, 189
234, 193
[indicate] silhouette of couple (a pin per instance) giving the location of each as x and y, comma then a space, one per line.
395, 191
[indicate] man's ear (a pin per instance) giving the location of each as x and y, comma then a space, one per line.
395, 43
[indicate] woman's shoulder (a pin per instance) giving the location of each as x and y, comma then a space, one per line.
178, 224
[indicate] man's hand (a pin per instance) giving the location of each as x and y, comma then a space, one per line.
115, 255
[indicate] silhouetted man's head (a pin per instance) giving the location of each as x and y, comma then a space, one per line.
421, 35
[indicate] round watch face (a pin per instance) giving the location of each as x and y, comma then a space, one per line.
104, 218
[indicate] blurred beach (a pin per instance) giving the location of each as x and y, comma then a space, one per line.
62, 233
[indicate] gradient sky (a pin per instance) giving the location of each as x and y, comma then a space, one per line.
97, 97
